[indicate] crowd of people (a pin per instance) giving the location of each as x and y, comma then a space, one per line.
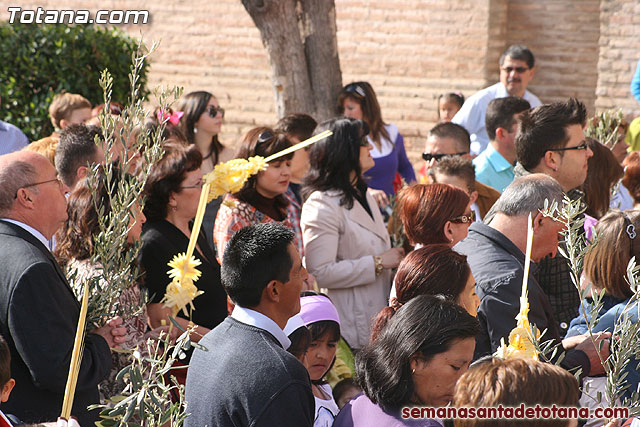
308, 315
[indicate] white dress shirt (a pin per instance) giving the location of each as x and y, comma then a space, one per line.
471, 115
38, 235
259, 320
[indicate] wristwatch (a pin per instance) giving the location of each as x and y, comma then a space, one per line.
378, 264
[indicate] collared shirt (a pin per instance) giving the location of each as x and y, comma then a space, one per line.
11, 138
259, 320
38, 235
493, 170
472, 114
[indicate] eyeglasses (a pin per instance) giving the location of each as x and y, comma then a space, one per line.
213, 111
518, 70
427, 157
364, 141
33, 184
355, 88
582, 146
199, 184
464, 219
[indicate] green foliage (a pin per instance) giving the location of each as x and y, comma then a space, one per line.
39, 61
604, 126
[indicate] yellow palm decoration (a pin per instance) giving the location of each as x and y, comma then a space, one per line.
520, 344
227, 177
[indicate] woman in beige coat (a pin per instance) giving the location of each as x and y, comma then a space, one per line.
346, 244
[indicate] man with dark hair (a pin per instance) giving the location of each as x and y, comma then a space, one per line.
451, 140
517, 67
494, 166
76, 150
38, 310
246, 377
496, 254
550, 140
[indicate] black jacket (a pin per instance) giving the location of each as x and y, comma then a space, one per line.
498, 269
38, 319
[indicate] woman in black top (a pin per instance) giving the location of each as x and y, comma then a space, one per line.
173, 191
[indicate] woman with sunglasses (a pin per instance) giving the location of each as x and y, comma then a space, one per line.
435, 213
347, 245
261, 199
201, 123
358, 101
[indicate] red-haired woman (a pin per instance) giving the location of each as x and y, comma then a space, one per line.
431, 270
435, 213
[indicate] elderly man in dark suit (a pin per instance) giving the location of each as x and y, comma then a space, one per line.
38, 310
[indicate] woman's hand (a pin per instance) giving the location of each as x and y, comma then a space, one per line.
380, 197
392, 257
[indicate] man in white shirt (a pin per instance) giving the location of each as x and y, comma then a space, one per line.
517, 67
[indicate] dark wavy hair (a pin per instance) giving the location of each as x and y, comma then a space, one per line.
333, 159
430, 270
74, 240
262, 141
425, 326
194, 104
425, 209
167, 175
365, 96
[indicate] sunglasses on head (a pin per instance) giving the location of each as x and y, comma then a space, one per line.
213, 111
264, 136
427, 157
354, 88
464, 219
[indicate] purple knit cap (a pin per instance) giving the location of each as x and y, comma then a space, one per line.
316, 308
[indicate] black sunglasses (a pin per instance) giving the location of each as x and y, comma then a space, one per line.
427, 157
213, 111
264, 136
354, 88
464, 219
582, 146
518, 70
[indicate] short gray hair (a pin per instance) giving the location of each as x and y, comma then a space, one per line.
527, 194
13, 177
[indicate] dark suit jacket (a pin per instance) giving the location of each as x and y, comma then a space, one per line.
38, 319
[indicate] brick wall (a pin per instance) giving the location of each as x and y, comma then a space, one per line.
563, 36
619, 54
410, 51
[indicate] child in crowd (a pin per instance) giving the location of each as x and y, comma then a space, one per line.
345, 390
320, 316
460, 173
448, 105
67, 109
299, 336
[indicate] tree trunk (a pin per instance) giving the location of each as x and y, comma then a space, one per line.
300, 38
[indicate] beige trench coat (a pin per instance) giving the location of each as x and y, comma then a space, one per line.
339, 248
